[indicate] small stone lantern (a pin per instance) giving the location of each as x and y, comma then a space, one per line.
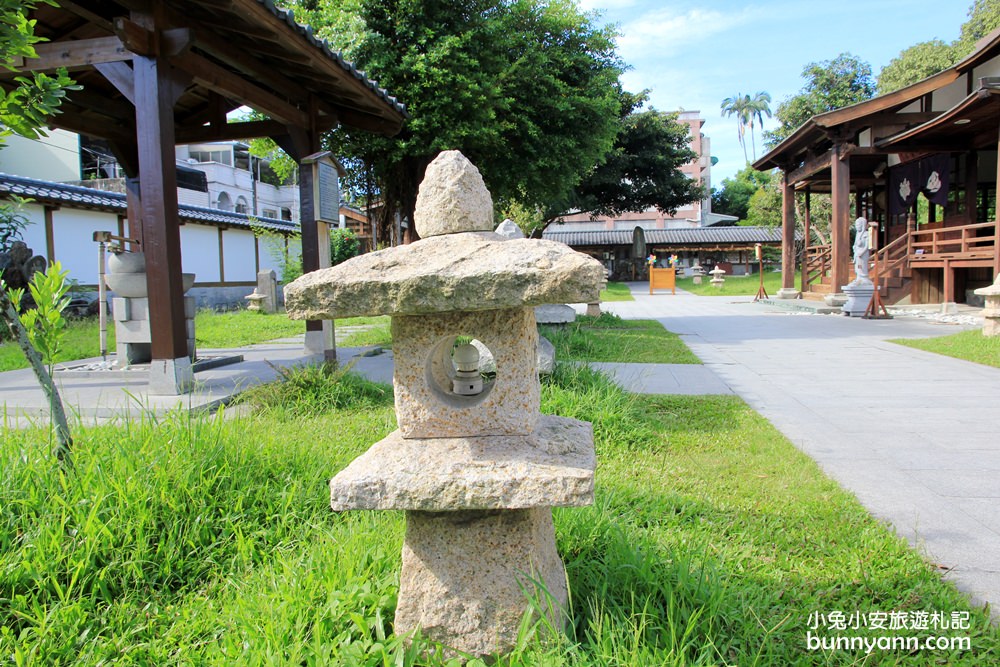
991, 313
717, 279
473, 464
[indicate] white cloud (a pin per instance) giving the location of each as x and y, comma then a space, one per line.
669, 31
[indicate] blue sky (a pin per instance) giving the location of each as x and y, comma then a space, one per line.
693, 54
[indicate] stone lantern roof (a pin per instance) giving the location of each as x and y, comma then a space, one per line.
458, 265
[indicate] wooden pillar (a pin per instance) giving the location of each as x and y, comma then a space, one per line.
996, 221
155, 94
787, 233
805, 233
948, 283
840, 238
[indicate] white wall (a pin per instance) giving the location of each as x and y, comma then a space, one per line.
949, 96
200, 252
238, 255
73, 237
55, 157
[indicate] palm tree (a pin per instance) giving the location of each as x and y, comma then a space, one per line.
739, 106
758, 106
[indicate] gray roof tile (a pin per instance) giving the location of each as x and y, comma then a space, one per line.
81, 197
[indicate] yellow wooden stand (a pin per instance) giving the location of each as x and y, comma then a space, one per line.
663, 279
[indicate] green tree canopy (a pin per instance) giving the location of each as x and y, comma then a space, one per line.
915, 64
830, 84
926, 58
984, 18
526, 89
734, 196
641, 171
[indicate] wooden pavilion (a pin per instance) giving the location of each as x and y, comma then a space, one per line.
938, 139
157, 74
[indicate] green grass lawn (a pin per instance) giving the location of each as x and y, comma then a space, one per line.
610, 338
968, 345
734, 285
616, 292
210, 541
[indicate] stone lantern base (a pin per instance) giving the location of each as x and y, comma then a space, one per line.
468, 577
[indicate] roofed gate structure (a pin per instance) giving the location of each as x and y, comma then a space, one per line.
937, 139
157, 74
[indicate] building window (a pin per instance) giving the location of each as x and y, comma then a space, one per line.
224, 202
222, 157
286, 214
242, 206
270, 213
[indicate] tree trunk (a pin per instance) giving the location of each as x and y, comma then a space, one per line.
57, 413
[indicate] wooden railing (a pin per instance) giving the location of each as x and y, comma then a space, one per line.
962, 242
818, 261
892, 259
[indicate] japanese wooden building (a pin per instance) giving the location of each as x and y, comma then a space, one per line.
935, 140
157, 74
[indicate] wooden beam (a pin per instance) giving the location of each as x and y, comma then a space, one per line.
244, 130
206, 73
92, 17
810, 167
120, 76
76, 54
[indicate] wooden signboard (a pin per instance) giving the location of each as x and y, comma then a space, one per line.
326, 186
663, 279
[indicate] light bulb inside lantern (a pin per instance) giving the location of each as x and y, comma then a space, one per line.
466, 358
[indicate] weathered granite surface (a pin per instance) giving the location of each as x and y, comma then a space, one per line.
452, 198
458, 272
425, 405
468, 577
554, 466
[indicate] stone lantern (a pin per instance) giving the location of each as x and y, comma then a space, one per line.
991, 313
473, 464
717, 279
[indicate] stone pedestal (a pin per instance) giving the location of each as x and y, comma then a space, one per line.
859, 295
991, 311
267, 285
787, 293
468, 577
133, 339
835, 300
594, 309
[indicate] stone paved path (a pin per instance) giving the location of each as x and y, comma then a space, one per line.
912, 434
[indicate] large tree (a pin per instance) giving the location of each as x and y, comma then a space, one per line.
916, 63
984, 17
734, 196
830, 84
641, 171
526, 89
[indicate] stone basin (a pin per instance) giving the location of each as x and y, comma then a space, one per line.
133, 285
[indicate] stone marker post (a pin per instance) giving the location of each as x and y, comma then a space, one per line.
474, 465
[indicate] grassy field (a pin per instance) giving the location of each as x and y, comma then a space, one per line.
968, 345
212, 330
734, 285
616, 292
210, 541
610, 338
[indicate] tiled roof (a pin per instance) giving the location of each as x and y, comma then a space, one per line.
80, 197
288, 17
693, 236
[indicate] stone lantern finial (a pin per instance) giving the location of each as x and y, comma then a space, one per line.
452, 198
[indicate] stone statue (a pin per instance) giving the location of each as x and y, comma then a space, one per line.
862, 252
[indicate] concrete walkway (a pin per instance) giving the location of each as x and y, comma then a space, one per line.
912, 434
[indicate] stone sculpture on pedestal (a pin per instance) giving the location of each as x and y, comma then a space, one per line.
474, 465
